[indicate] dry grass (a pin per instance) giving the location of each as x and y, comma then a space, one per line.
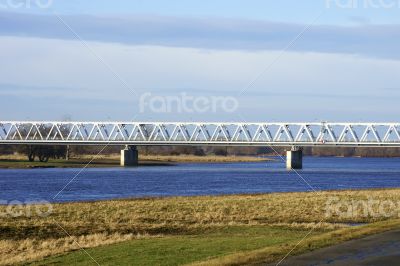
113, 160
200, 159
180, 158
162, 158
16, 251
15, 156
119, 220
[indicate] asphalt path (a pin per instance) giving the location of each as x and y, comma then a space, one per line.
376, 250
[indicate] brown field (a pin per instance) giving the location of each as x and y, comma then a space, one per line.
27, 238
183, 158
113, 160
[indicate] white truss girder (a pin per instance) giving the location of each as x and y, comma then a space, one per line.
181, 133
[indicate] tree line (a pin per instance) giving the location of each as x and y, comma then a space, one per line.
45, 152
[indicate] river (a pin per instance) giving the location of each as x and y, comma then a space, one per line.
196, 179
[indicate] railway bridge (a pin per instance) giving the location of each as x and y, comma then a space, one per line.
133, 134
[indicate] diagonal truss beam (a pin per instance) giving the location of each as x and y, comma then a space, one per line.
200, 133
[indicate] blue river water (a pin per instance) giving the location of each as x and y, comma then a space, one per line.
328, 173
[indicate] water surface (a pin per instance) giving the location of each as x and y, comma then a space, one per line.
197, 179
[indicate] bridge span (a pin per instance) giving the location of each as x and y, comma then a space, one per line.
295, 135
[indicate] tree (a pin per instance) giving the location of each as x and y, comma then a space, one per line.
44, 152
199, 152
221, 152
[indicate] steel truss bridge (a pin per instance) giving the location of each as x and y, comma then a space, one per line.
200, 133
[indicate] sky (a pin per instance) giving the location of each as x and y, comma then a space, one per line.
254, 60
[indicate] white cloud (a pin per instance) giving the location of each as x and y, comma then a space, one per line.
209, 33
306, 82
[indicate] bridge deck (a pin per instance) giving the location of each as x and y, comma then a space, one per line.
200, 133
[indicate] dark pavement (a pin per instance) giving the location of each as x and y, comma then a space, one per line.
377, 250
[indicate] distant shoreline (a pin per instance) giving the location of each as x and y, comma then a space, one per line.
21, 162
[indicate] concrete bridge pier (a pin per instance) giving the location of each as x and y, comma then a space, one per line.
294, 158
129, 156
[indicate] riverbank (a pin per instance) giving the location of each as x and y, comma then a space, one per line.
20, 161
206, 230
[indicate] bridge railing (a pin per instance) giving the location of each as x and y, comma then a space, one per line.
200, 133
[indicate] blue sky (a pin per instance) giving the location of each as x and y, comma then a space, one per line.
304, 60
272, 10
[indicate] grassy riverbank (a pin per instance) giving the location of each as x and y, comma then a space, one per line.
216, 230
19, 161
